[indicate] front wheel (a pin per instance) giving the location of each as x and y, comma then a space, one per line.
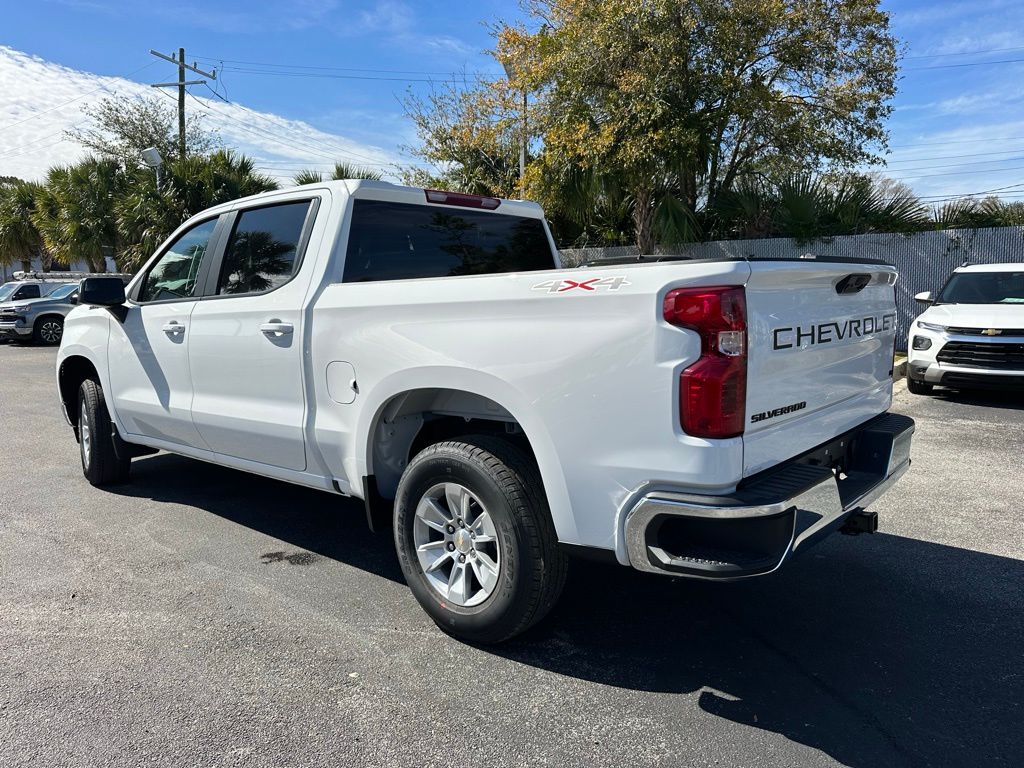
105, 457
48, 331
475, 539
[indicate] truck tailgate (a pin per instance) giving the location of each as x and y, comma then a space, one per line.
820, 341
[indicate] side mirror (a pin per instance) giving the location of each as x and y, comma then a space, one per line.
925, 297
101, 291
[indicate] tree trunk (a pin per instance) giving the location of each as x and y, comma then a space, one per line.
643, 220
26, 265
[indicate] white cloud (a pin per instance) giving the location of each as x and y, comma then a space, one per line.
40, 100
388, 17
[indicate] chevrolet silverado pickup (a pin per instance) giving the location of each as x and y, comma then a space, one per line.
425, 352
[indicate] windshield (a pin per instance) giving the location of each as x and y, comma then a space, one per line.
7, 289
63, 292
984, 288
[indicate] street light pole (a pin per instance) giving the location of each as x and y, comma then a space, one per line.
151, 157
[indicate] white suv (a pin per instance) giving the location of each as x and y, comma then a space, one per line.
972, 334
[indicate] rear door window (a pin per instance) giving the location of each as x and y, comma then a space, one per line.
263, 252
399, 241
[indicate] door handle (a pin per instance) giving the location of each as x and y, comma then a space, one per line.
277, 328
173, 328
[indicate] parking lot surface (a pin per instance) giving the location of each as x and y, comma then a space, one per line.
201, 616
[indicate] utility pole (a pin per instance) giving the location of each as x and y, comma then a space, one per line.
510, 73
180, 85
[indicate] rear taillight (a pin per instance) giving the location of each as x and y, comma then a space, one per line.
712, 391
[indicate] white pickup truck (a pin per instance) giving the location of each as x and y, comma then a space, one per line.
424, 351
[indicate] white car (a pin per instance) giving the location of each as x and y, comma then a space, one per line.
972, 334
425, 351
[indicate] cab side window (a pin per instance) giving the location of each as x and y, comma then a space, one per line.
175, 274
28, 292
263, 251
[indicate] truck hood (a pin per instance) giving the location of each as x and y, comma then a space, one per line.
975, 315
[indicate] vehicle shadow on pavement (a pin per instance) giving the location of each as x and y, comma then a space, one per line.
325, 524
990, 398
879, 651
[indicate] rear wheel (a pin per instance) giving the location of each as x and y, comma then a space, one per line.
48, 330
918, 387
475, 538
106, 458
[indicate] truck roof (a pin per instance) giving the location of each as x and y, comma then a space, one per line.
381, 190
1005, 267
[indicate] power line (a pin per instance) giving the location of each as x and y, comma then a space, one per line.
30, 146
965, 53
960, 165
340, 69
959, 173
966, 64
329, 76
985, 139
292, 143
69, 101
951, 157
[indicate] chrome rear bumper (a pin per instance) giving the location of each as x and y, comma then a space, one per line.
773, 514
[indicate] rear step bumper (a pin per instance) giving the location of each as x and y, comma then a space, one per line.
752, 531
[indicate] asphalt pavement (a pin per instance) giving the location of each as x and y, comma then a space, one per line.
201, 616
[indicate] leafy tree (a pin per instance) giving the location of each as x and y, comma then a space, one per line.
342, 170
146, 216
470, 135
20, 240
667, 105
126, 125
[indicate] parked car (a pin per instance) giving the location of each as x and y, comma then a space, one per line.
23, 290
425, 352
36, 305
39, 320
972, 333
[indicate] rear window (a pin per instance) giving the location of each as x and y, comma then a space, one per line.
398, 241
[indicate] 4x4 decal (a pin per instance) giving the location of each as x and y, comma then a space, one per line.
591, 284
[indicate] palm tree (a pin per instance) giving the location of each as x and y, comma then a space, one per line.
146, 215
307, 177
75, 211
20, 240
342, 170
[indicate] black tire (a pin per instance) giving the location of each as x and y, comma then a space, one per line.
48, 330
106, 459
532, 567
916, 387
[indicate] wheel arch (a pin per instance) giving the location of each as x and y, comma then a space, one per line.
72, 371
438, 408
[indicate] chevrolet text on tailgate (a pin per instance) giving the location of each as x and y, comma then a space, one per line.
425, 351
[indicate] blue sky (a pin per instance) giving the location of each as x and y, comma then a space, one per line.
958, 126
